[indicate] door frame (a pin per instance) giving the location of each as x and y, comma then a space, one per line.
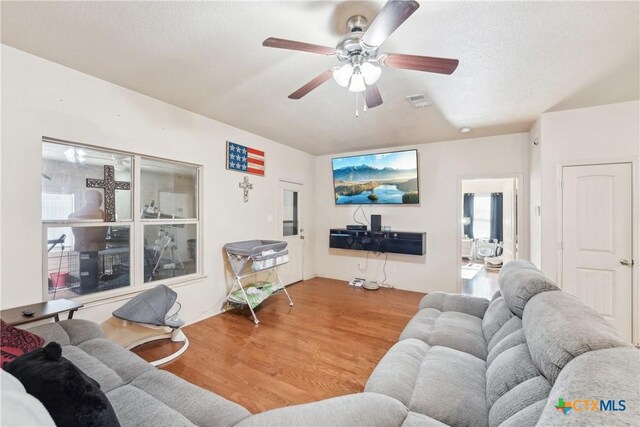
522, 215
282, 184
635, 230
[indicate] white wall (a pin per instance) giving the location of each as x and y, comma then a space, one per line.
607, 133
441, 166
484, 186
535, 196
40, 98
596, 134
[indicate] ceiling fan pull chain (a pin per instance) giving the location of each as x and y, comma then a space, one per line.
357, 113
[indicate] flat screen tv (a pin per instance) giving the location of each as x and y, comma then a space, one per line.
383, 178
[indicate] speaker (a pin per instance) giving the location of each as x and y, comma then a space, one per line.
376, 222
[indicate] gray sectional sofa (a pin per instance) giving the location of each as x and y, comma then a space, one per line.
461, 361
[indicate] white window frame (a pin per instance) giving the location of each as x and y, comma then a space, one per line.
136, 232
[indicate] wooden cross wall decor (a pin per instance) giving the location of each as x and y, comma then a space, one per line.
246, 187
110, 185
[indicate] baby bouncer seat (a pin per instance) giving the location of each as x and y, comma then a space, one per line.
146, 318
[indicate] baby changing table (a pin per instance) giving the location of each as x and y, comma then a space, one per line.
246, 259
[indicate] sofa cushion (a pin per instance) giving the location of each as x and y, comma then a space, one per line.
415, 419
513, 339
527, 417
362, 409
505, 330
520, 398
68, 332
124, 363
103, 374
197, 404
451, 388
398, 370
511, 368
467, 304
452, 329
497, 315
558, 327
612, 373
439, 382
134, 407
520, 281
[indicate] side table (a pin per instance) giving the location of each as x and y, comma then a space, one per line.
41, 310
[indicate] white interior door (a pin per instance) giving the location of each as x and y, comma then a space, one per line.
509, 220
291, 230
596, 239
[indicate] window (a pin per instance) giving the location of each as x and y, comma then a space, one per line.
289, 213
168, 193
482, 216
89, 230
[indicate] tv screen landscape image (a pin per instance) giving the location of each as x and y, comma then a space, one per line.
383, 178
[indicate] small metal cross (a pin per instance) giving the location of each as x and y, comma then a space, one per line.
246, 187
110, 186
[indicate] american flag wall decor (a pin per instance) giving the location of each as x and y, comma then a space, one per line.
245, 159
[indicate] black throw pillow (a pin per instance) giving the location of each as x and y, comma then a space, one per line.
71, 397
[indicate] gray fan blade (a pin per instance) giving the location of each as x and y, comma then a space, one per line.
294, 45
392, 15
372, 96
311, 85
419, 63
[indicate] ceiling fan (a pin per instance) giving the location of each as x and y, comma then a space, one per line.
358, 52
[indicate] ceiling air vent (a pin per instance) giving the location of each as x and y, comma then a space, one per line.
419, 100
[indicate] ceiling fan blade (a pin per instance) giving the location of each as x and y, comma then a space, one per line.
372, 96
311, 85
419, 63
392, 15
294, 45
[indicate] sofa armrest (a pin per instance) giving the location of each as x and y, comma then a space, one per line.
362, 409
475, 306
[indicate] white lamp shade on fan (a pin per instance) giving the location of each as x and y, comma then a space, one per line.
357, 83
342, 75
370, 72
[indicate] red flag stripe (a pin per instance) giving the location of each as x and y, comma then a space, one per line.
255, 161
255, 166
255, 171
256, 152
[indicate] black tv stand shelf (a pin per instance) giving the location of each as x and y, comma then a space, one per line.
396, 242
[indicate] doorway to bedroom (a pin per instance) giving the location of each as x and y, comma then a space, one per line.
488, 232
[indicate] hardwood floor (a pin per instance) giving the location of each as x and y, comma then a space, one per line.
326, 345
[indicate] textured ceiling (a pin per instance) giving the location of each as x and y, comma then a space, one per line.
517, 60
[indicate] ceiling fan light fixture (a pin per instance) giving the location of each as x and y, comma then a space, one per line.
370, 72
357, 82
342, 75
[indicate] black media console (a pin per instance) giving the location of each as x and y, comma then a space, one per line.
397, 242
